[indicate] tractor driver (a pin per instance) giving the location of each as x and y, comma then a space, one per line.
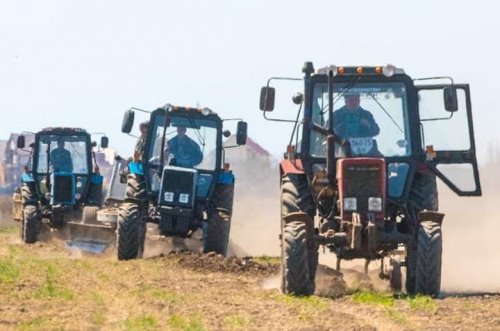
352, 121
60, 158
185, 150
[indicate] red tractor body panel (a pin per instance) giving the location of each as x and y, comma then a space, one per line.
361, 179
291, 167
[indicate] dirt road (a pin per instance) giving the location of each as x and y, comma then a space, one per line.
46, 287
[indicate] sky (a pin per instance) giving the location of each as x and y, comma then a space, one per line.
83, 63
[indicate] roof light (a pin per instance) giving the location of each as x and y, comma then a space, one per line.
359, 70
206, 111
389, 70
341, 70
378, 70
326, 70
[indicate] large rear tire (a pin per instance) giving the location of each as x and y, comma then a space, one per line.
128, 231
219, 220
136, 188
429, 252
30, 225
423, 196
295, 262
296, 197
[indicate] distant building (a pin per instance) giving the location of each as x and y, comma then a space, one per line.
14, 161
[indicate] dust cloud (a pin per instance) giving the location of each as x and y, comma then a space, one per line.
255, 223
471, 231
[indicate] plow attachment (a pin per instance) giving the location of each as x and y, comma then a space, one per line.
95, 233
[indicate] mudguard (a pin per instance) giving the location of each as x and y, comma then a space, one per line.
97, 179
291, 167
27, 177
136, 168
226, 177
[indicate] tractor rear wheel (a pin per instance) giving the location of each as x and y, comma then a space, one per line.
429, 251
219, 220
296, 197
128, 231
295, 262
136, 188
30, 224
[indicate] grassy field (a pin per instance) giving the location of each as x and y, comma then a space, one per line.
46, 287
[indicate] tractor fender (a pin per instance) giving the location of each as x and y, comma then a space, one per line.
226, 178
27, 177
294, 167
136, 168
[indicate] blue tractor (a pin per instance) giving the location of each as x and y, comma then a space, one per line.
61, 182
178, 180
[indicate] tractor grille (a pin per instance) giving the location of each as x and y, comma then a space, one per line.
177, 187
63, 189
362, 182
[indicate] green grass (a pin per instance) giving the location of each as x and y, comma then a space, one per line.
237, 322
397, 317
144, 322
9, 271
304, 307
13, 250
374, 298
50, 288
164, 295
36, 324
264, 259
9, 229
422, 302
192, 323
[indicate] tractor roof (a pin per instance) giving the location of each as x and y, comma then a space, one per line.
63, 131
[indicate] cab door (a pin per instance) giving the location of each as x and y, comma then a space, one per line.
448, 137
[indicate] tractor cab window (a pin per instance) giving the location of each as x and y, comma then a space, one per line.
188, 142
371, 117
62, 154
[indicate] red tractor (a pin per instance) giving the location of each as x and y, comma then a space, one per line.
359, 174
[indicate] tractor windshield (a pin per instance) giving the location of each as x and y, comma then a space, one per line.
188, 142
62, 153
372, 117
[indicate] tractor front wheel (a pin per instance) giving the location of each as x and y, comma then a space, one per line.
30, 224
129, 236
216, 236
295, 262
428, 262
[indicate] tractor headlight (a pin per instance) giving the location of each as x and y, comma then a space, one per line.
350, 204
78, 196
168, 196
374, 204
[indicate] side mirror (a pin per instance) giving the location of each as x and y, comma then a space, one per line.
20, 142
241, 133
267, 98
128, 121
297, 98
104, 142
450, 98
